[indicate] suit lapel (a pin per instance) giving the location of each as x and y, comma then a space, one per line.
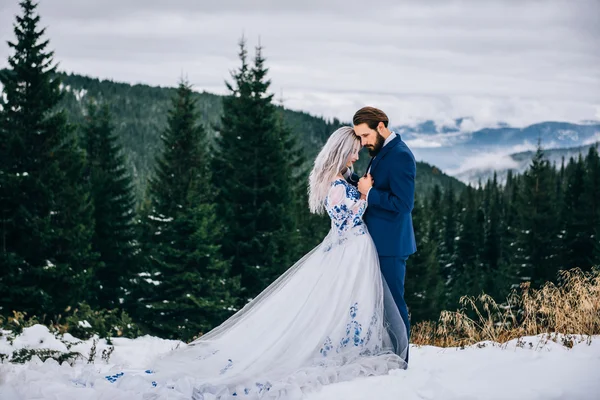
384, 151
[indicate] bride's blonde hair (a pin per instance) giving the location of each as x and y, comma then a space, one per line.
331, 161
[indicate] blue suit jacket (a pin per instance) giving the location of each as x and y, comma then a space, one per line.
391, 200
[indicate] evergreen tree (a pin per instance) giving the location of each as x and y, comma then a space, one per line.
186, 288
592, 202
423, 279
510, 226
536, 252
447, 254
47, 222
578, 224
464, 270
253, 176
495, 283
112, 194
434, 221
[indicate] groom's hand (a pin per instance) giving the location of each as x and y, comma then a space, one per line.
365, 184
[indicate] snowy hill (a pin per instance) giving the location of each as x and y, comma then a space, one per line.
530, 368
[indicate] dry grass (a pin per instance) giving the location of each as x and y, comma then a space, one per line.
570, 308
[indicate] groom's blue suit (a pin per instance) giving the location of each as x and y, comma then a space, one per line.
388, 216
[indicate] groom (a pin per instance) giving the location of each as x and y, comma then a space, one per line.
389, 187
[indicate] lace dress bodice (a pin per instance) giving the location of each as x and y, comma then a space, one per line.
345, 208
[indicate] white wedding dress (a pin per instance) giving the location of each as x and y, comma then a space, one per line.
321, 322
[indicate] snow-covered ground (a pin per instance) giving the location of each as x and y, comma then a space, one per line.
532, 368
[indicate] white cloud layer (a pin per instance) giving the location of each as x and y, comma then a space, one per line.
498, 159
518, 62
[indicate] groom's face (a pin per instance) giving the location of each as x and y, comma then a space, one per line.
369, 138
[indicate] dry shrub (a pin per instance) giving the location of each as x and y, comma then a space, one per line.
571, 307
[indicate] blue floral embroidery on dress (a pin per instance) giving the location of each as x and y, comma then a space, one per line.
353, 337
353, 331
352, 192
263, 386
367, 339
246, 391
227, 367
113, 378
327, 346
346, 216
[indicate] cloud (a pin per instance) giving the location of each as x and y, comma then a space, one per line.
420, 143
485, 161
432, 140
592, 140
498, 159
518, 62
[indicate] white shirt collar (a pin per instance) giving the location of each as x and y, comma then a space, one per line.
390, 138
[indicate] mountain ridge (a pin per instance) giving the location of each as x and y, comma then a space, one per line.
140, 115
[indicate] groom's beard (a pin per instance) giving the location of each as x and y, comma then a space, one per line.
373, 151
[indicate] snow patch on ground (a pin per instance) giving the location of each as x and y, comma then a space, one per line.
528, 368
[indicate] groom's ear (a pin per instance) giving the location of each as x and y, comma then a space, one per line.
380, 127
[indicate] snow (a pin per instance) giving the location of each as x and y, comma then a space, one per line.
530, 368
84, 324
49, 265
79, 94
162, 218
550, 372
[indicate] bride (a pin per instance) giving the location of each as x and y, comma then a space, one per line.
322, 321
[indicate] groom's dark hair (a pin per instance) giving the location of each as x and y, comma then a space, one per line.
371, 116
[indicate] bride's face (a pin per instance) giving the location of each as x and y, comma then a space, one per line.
353, 157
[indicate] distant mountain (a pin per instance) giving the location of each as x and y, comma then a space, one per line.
521, 162
552, 134
561, 132
458, 147
140, 115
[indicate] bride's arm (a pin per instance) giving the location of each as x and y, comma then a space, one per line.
342, 209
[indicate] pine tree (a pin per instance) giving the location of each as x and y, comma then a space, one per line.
47, 222
423, 279
592, 202
495, 284
112, 193
510, 226
253, 176
186, 288
447, 256
578, 223
464, 270
536, 252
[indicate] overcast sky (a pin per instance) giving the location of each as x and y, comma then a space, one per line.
516, 61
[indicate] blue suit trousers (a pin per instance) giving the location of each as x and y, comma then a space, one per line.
393, 270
